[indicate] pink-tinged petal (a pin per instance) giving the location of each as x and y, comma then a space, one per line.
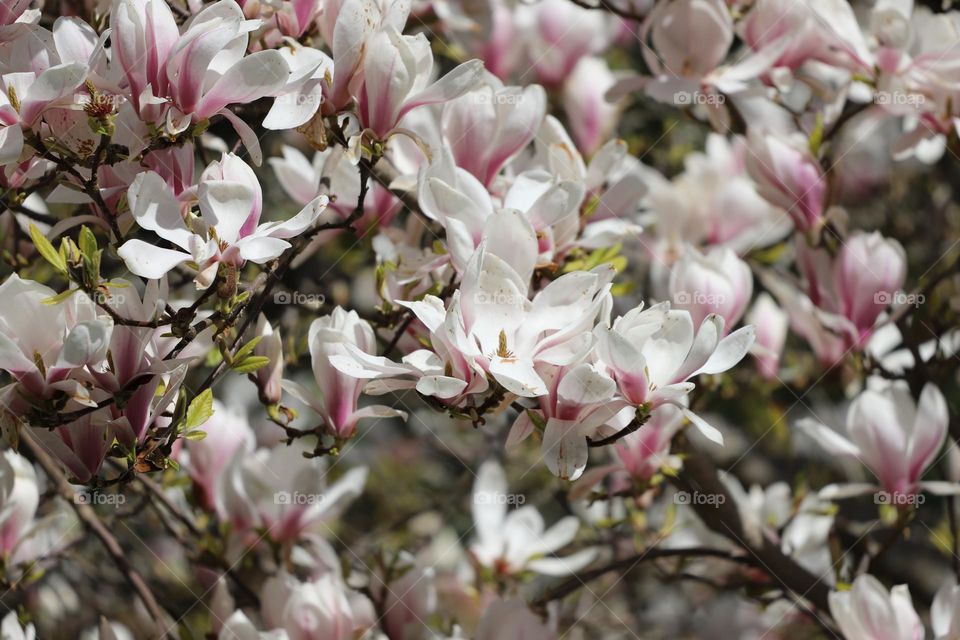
226, 205
440, 386
518, 376
454, 84
510, 236
75, 39
521, 429
149, 261
255, 76
929, 430
298, 223
830, 440
710, 432
564, 449
730, 351
155, 208
247, 135
261, 249
51, 85
11, 144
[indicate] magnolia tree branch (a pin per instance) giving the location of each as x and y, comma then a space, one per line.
93, 523
721, 515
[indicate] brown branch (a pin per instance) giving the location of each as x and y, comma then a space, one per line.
721, 515
93, 523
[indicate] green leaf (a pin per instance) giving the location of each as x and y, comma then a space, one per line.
196, 435
60, 297
45, 249
199, 411
247, 349
250, 364
88, 241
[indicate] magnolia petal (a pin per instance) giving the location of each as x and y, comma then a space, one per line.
149, 261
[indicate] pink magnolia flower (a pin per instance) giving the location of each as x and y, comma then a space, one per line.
715, 282
330, 337
228, 432
771, 322
491, 323
591, 116
270, 377
41, 344
869, 612
488, 125
225, 232
317, 608
178, 79
652, 353
868, 272
395, 76
788, 176
515, 541
894, 436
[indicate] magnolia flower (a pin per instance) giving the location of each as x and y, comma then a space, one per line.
592, 118
19, 499
395, 73
180, 79
652, 353
509, 543
10, 628
225, 232
771, 323
640, 455
491, 324
490, 124
228, 432
270, 377
42, 343
945, 612
512, 620
894, 436
316, 608
789, 177
716, 282
330, 337
869, 612
283, 493
868, 272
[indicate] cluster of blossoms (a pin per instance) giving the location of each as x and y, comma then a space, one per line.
497, 269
